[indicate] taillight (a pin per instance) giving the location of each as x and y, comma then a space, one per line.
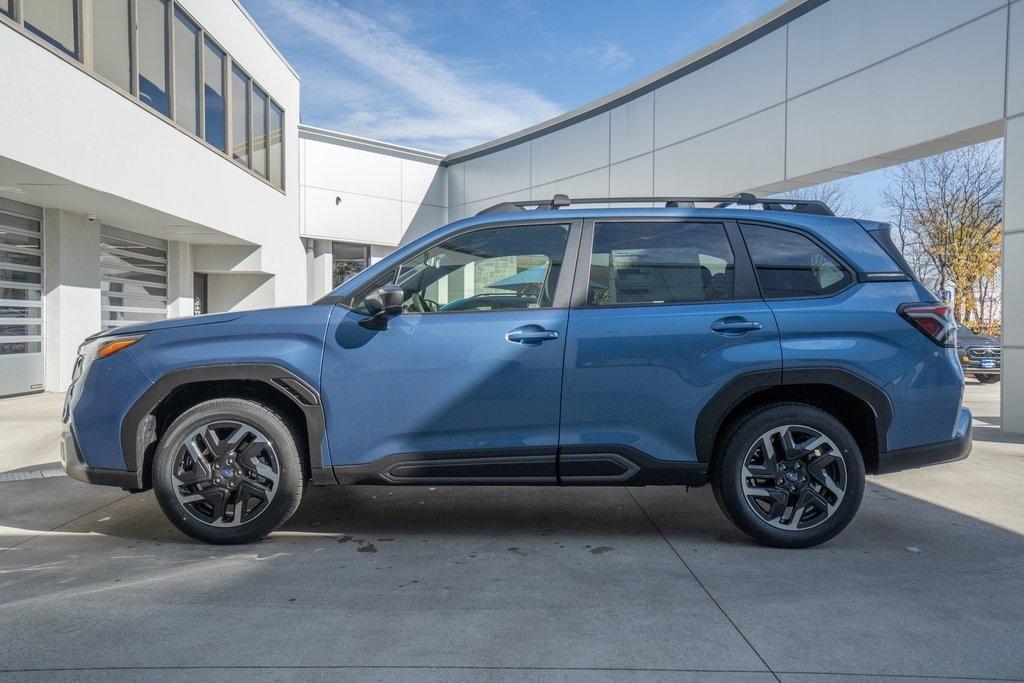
934, 320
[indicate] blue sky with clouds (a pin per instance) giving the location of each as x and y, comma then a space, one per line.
444, 75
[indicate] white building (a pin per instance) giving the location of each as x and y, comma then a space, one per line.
127, 191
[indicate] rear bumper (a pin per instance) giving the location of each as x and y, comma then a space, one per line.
76, 468
955, 449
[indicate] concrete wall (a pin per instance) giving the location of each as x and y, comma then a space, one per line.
849, 86
364, 191
73, 145
112, 150
1013, 237
71, 291
368, 192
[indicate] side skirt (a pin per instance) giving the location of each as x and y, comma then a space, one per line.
601, 465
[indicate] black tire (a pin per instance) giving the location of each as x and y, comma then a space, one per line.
277, 446
739, 449
987, 379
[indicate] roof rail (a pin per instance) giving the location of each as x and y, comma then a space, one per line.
812, 206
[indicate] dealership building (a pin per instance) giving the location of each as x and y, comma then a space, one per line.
152, 163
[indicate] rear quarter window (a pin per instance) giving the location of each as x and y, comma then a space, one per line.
792, 266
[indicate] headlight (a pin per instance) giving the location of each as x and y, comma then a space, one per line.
105, 347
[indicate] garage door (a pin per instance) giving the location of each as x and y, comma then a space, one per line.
133, 278
21, 301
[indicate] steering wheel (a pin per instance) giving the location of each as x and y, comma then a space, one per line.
428, 305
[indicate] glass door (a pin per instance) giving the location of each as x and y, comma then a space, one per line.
21, 304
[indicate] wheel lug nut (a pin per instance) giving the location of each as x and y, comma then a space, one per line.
217, 480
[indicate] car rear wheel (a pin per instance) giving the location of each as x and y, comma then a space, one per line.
228, 471
987, 379
789, 475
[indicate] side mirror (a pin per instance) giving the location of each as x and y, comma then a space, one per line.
385, 302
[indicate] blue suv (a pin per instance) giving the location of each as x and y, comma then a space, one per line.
777, 354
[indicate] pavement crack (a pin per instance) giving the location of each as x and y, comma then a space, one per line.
701, 584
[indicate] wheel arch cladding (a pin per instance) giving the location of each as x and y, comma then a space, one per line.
175, 392
863, 408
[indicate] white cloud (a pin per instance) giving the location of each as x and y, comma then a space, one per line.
607, 56
385, 86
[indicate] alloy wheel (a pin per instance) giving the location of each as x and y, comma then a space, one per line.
226, 473
794, 477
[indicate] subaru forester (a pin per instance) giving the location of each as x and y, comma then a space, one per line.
763, 346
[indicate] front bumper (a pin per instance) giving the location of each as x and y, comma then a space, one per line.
955, 449
76, 468
986, 366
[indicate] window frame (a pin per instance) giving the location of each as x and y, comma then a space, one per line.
850, 270
198, 55
366, 257
18, 15
745, 288
563, 288
83, 61
239, 73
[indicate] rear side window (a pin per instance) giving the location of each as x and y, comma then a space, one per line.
660, 263
790, 266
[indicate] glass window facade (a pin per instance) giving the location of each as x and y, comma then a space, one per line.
155, 51
152, 33
111, 42
239, 116
349, 259
276, 147
186, 72
259, 131
55, 21
213, 96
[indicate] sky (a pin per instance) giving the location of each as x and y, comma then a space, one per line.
444, 75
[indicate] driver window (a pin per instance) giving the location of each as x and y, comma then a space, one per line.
486, 270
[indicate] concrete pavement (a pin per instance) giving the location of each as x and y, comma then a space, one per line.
494, 583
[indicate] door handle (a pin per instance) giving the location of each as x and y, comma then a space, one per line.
530, 334
734, 326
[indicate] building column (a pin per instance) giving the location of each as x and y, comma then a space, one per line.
1013, 277
71, 291
180, 301
308, 246
322, 276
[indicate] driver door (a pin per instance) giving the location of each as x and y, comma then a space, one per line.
463, 385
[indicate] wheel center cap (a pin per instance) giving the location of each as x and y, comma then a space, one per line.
792, 477
227, 472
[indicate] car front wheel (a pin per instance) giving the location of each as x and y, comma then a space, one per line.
789, 475
228, 471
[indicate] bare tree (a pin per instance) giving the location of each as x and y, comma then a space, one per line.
948, 210
837, 195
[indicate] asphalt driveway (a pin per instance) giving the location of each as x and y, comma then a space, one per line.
536, 583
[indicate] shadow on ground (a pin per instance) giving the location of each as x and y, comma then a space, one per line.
566, 579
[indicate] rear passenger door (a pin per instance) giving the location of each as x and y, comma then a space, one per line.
664, 313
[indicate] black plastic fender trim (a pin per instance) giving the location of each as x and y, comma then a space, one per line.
711, 418
138, 428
